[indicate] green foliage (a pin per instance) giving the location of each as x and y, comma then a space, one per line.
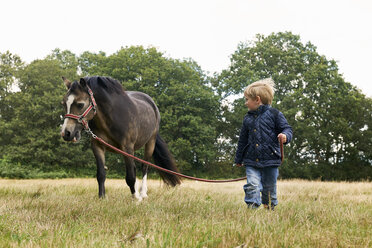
30, 135
201, 116
10, 66
187, 104
329, 116
18, 171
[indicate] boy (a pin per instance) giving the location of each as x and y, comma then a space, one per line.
258, 145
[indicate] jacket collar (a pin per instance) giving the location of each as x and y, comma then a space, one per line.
261, 109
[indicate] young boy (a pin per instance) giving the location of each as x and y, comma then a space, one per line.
258, 145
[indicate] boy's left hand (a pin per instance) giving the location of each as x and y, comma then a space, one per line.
283, 137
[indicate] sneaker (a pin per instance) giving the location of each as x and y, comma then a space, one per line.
253, 205
272, 207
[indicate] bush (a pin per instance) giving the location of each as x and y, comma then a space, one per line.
12, 170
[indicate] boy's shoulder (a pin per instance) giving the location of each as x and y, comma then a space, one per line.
274, 111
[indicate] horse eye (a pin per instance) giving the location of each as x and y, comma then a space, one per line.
80, 105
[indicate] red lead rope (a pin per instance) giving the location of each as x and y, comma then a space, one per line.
169, 171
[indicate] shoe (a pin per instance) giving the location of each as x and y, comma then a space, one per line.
253, 205
272, 207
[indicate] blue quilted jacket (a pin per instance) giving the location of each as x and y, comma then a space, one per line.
258, 144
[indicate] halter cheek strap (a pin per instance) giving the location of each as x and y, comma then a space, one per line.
80, 118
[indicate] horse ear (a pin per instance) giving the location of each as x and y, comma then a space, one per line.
67, 82
83, 83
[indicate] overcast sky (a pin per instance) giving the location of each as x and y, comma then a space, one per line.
207, 31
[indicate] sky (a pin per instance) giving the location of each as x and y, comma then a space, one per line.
208, 31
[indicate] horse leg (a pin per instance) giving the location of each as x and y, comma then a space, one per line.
99, 154
130, 176
149, 149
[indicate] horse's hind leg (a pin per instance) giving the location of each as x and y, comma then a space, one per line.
99, 154
149, 149
130, 176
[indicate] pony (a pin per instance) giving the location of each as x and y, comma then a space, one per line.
127, 120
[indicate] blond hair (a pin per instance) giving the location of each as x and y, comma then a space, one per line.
263, 88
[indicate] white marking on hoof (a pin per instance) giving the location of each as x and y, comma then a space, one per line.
144, 187
136, 195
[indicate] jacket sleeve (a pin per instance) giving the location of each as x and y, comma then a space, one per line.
284, 127
243, 141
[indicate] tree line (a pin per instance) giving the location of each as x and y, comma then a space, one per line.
201, 114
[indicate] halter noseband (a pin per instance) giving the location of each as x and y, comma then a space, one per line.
80, 118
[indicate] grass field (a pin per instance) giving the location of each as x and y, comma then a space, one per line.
68, 213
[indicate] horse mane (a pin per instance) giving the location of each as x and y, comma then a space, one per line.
108, 84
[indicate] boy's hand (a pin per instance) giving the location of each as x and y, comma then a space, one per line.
282, 137
239, 165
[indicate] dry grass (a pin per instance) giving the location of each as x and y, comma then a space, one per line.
67, 213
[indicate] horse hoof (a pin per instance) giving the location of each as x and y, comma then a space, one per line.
137, 197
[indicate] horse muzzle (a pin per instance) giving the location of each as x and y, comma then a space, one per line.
71, 136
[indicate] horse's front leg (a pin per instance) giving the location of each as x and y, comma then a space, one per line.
99, 154
130, 177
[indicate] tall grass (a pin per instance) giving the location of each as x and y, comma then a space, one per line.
68, 213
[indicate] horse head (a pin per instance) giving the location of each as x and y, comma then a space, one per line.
78, 103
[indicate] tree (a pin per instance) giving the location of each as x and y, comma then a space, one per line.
309, 91
34, 139
187, 104
201, 116
10, 66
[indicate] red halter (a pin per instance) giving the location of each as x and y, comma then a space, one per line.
80, 118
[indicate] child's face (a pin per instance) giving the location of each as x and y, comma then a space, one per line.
252, 103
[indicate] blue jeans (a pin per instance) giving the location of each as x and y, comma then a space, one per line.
261, 180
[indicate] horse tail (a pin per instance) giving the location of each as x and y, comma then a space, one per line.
164, 159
